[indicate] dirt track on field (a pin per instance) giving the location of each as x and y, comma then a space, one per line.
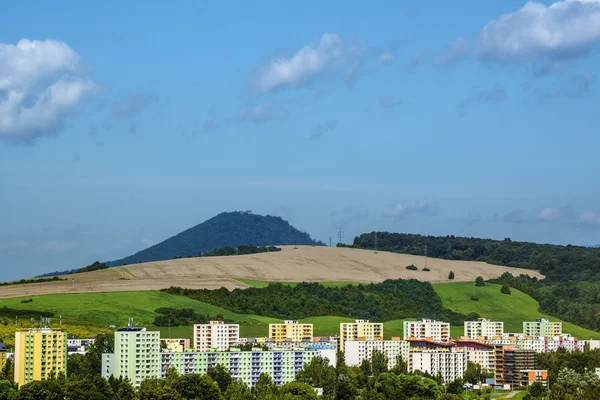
305, 263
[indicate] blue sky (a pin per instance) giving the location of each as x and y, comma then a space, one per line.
123, 123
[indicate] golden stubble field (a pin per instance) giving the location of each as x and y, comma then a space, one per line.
304, 263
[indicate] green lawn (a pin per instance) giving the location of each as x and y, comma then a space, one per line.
513, 309
264, 284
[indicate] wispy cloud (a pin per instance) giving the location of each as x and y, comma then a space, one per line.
385, 58
388, 101
133, 104
497, 94
579, 86
264, 112
419, 207
323, 128
41, 83
346, 216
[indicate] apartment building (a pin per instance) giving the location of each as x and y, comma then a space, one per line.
291, 331
175, 345
39, 353
479, 353
427, 329
3, 357
356, 351
535, 344
246, 366
510, 361
529, 376
567, 342
361, 329
542, 327
215, 335
483, 328
136, 356
450, 363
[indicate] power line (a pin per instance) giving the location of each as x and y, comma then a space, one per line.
340, 235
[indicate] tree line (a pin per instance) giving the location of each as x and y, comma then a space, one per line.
570, 289
390, 299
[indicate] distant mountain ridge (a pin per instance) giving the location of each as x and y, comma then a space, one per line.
226, 229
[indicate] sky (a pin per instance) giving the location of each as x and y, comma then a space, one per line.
124, 123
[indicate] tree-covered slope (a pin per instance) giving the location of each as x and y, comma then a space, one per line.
226, 229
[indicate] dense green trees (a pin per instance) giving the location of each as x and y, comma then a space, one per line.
391, 299
479, 281
183, 316
505, 288
570, 290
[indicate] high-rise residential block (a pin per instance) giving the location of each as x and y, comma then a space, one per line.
356, 351
436, 331
510, 361
361, 329
450, 363
290, 331
136, 356
39, 353
246, 366
542, 327
215, 335
483, 328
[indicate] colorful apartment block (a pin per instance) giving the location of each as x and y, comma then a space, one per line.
175, 345
483, 328
542, 327
136, 356
356, 351
479, 353
39, 353
3, 350
361, 329
291, 331
436, 331
530, 376
215, 335
246, 366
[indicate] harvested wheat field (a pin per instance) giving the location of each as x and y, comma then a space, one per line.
304, 263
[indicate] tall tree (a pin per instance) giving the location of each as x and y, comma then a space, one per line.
319, 374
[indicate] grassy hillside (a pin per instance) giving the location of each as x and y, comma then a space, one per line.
513, 309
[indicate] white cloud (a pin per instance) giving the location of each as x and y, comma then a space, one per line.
564, 30
549, 214
264, 112
419, 207
385, 58
311, 61
41, 82
456, 51
590, 218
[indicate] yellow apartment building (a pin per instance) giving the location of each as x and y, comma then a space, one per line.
290, 331
38, 353
361, 329
2, 355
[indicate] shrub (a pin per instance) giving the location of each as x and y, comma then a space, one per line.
505, 289
411, 267
451, 275
479, 281
475, 298
426, 269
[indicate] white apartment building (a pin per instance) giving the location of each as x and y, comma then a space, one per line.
361, 329
136, 356
451, 364
215, 335
537, 344
356, 351
483, 328
436, 331
542, 327
480, 353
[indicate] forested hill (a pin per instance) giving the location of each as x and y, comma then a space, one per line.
554, 261
226, 229
570, 290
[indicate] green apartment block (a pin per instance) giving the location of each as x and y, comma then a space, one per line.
136, 356
542, 327
246, 366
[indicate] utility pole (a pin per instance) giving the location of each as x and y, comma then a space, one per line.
340, 235
329, 241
